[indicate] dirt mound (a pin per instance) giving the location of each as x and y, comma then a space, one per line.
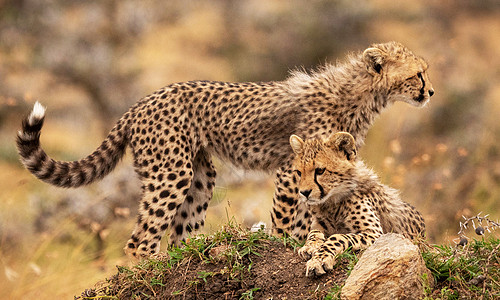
231, 264
234, 263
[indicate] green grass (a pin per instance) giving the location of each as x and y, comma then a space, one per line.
334, 293
471, 271
248, 295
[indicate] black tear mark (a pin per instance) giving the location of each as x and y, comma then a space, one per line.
422, 90
322, 191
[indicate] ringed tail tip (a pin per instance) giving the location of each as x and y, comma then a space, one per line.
36, 114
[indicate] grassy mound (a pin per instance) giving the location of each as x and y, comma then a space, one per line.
235, 263
232, 263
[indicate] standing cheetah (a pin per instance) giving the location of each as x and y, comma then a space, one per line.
174, 131
347, 201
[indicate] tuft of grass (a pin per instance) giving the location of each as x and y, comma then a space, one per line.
471, 271
334, 293
248, 295
350, 256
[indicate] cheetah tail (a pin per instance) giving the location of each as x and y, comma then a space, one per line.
74, 173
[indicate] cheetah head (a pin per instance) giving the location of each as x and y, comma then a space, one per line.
325, 167
402, 73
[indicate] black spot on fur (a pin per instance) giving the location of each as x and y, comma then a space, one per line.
171, 206
182, 183
179, 229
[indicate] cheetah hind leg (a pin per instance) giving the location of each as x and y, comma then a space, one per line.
191, 214
162, 195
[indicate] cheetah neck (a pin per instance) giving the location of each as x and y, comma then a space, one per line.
346, 93
356, 100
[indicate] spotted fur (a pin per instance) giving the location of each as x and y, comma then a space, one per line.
174, 132
347, 201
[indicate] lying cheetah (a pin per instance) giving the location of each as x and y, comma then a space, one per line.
347, 201
174, 131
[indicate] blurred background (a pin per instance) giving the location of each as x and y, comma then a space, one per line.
88, 61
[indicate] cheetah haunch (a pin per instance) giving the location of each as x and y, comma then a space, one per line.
347, 201
174, 131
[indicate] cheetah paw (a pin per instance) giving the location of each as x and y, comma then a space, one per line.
315, 240
319, 265
137, 252
308, 250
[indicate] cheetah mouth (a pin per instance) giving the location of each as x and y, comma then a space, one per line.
420, 98
315, 201
420, 101
310, 201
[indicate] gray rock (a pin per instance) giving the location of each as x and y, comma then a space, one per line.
391, 268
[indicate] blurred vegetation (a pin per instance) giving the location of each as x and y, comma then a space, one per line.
88, 61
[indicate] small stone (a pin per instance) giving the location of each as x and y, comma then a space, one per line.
477, 280
218, 253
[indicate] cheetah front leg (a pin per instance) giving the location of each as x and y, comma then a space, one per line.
365, 228
324, 258
191, 214
289, 216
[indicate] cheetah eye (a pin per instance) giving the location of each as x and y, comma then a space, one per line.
319, 171
418, 75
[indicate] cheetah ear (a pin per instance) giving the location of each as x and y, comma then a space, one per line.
374, 59
344, 143
297, 144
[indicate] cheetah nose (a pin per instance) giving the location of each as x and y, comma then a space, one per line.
431, 92
306, 193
